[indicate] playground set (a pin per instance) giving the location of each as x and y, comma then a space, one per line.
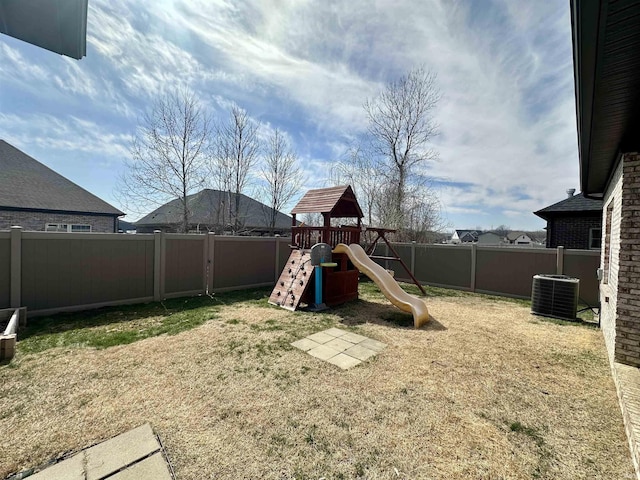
325, 262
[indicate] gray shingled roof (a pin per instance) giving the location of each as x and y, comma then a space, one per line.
27, 183
203, 207
576, 203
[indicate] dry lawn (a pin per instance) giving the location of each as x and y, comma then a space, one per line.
485, 391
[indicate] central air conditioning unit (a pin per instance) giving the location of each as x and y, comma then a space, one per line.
555, 296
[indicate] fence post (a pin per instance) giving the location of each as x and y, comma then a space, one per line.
560, 261
276, 270
413, 257
474, 256
158, 267
386, 254
205, 265
210, 261
16, 267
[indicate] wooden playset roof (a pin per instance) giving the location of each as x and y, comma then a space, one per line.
336, 201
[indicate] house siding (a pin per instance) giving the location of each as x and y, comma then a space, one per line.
572, 232
627, 267
609, 284
36, 221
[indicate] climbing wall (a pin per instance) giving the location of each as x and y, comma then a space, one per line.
293, 281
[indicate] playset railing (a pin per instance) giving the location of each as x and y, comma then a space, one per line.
306, 237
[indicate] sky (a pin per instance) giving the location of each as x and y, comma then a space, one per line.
507, 144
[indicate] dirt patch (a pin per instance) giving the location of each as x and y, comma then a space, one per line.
484, 391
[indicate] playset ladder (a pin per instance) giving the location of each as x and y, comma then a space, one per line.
293, 281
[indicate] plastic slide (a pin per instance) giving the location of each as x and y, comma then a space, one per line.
401, 299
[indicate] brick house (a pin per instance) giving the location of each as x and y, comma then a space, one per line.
575, 222
36, 198
606, 35
209, 211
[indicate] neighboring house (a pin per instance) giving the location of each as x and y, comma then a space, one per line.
59, 26
209, 212
518, 238
36, 198
489, 238
606, 35
126, 227
464, 236
575, 222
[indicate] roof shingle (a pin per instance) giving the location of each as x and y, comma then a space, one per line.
26, 183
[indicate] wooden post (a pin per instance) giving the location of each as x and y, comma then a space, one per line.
560, 261
474, 257
16, 267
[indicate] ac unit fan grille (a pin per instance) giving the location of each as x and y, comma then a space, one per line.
555, 296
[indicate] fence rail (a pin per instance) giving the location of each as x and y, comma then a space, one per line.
52, 272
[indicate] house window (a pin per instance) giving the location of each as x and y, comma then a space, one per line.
56, 227
595, 238
66, 227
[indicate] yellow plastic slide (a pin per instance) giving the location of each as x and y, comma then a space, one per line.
401, 299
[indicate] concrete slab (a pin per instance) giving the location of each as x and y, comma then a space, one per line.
335, 332
344, 361
360, 352
323, 352
305, 344
110, 456
321, 337
339, 344
70, 469
353, 337
151, 468
374, 345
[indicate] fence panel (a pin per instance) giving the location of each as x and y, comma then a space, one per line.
185, 272
81, 270
510, 271
404, 251
284, 251
444, 265
243, 262
583, 264
5, 270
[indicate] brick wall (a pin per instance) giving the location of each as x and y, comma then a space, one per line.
627, 348
36, 221
572, 232
610, 249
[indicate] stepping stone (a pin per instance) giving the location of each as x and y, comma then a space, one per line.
344, 361
353, 337
339, 344
360, 352
152, 468
374, 345
305, 344
321, 337
323, 352
335, 332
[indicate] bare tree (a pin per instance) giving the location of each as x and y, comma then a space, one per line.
360, 170
281, 175
168, 154
401, 126
236, 150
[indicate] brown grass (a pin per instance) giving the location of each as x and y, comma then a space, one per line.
484, 391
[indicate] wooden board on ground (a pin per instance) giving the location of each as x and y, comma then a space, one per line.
293, 281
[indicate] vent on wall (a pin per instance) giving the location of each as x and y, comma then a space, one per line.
555, 296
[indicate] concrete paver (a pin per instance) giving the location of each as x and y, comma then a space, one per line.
323, 352
321, 337
70, 469
152, 468
339, 347
110, 456
335, 332
339, 344
305, 344
344, 361
353, 337
133, 455
360, 352
374, 345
